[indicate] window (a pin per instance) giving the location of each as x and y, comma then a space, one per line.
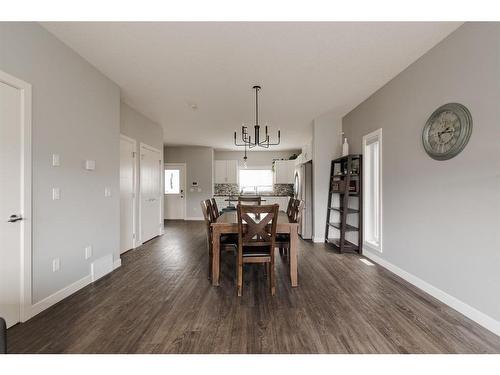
372, 197
172, 181
256, 180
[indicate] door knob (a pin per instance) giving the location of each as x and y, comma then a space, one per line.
14, 218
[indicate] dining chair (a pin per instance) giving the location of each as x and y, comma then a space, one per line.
283, 239
215, 209
254, 201
256, 240
228, 242
290, 207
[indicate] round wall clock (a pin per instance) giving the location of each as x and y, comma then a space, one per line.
447, 131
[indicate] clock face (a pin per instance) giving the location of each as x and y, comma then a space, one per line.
447, 131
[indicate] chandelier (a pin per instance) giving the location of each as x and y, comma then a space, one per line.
246, 139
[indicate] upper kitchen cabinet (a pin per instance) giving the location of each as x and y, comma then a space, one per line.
226, 171
305, 155
284, 171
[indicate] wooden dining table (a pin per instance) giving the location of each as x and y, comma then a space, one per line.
227, 222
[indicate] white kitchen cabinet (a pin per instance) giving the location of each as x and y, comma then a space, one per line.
284, 171
226, 171
232, 171
281, 201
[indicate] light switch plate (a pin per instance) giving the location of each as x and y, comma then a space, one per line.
56, 160
56, 265
56, 194
90, 165
107, 192
88, 252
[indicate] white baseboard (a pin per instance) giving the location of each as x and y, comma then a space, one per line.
61, 294
101, 267
479, 317
195, 218
318, 240
56, 297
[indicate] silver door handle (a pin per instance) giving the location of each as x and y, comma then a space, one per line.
14, 218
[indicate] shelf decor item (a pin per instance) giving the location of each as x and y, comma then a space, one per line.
345, 187
345, 147
447, 131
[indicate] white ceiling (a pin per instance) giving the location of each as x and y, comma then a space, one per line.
305, 69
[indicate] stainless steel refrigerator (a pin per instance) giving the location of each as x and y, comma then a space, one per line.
302, 189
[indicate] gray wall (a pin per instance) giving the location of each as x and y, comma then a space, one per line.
137, 126
326, 147
75, 114
255, 158
441, 219
199, 167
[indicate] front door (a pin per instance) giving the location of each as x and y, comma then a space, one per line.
150, 185
10, 203
175, 181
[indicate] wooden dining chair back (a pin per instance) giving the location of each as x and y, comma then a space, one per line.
298, 207
228, 242
283, 240
215, 209
250, 201
207, 218
289, 208
256, 239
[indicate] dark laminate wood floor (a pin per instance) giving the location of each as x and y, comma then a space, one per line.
160, 301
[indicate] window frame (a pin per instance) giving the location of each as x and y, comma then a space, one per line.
369, 139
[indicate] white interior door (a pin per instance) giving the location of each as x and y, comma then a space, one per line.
127, 193
150, 185
175, 188
10, 203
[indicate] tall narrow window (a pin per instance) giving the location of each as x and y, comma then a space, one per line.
372, 197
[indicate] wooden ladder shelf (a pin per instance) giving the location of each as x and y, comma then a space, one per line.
346, 187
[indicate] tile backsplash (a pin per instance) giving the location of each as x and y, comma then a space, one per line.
233, 189
283, 189
226, 189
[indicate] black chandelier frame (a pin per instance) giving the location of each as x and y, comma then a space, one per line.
257, 142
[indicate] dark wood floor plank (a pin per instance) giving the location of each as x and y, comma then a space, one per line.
160, 301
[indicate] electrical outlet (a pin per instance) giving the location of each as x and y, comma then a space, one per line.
88, 252
90, 165
107, 192
56, 194
56, 265
56, 162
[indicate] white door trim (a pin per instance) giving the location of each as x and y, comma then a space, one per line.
26, 193
139, 191
184, 166
134, 189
